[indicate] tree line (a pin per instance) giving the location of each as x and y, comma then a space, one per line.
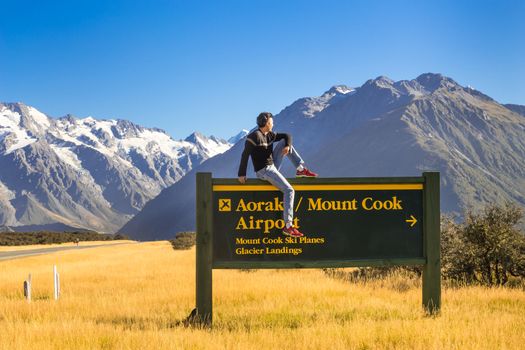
48, 237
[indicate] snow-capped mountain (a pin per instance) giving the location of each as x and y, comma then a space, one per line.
382, 128
84, 172
234, 139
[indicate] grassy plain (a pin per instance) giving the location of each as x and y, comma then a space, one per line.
131, 297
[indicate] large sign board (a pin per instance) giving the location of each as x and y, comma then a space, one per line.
345, 221
340, 222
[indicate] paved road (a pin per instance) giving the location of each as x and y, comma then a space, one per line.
32, 252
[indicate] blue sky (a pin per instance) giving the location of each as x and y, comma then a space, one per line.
212, 66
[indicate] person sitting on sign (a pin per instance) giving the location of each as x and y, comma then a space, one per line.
267, 162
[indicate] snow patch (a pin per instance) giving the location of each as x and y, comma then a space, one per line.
23, 141
344, 89
234, 139
213, 148
8, 117
89, 121
164, 142
10, 130
6, 193
462, 155
67, 156
314, 105
39, 117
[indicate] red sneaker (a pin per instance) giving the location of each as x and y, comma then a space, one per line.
305, 173
292, 232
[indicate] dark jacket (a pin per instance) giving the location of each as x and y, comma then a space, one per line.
260, 147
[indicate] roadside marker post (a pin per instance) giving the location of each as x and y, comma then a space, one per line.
27, 289
56, 283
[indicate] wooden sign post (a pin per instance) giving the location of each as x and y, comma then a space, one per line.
347, 222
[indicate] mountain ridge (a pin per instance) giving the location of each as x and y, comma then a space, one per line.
85, 172
383, 128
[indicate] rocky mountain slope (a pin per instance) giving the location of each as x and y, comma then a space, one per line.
382, 128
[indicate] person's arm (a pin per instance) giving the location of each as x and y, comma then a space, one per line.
287, 138
248, 148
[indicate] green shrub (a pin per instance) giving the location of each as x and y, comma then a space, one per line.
487, 248
183, 240
121, 237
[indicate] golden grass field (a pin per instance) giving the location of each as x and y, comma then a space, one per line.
132, 297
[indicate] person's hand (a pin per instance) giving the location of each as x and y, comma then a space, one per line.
242, 179
286, 150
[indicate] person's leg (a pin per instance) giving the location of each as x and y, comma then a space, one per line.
273, 176
293, 155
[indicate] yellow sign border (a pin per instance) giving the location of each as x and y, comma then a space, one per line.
376, 187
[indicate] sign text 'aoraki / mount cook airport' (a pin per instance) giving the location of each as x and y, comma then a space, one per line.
340, 222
